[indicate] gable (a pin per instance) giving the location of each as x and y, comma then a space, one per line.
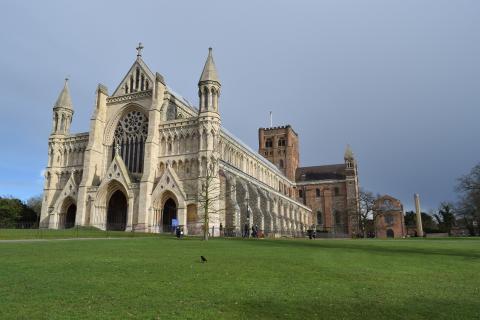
169, 181
388, 203
138, 78
118, 171
69, 190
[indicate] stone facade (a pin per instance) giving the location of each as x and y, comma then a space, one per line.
331, 191
146, 160
389, 218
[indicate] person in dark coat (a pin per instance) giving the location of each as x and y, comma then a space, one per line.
178, 232
245, 230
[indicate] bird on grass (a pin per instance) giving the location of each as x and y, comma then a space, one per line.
203, 259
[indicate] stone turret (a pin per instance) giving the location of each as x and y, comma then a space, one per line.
209, 128
62, 118
62, 112
209, 86
352, 188
349, 158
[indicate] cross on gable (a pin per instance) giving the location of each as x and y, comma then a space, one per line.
138, 78
139, 49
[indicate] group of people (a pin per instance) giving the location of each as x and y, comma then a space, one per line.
254, 231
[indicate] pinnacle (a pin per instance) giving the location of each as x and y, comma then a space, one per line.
348, 152
209, 72
64, 100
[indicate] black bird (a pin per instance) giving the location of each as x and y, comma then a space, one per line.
203, 259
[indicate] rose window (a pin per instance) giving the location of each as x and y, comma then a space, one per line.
129, 140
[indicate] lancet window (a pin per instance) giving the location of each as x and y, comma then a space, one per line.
137, 82
129, 140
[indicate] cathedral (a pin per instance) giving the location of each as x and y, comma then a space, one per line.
153, 161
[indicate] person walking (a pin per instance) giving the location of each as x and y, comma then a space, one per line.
254, 231
245, 230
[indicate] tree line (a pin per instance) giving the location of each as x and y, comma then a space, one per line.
463, 214
15, 213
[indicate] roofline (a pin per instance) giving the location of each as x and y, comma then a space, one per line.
325, 165
313, 182
279, 127
255, 154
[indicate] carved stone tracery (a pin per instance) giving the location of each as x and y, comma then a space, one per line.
130, 136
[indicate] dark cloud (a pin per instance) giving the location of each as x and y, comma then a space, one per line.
398, 80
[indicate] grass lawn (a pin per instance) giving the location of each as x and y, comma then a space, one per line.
162, 278
77, 232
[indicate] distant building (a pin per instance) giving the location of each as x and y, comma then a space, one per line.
389, 219
331, 191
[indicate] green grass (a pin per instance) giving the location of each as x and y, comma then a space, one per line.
162, 278
76, 232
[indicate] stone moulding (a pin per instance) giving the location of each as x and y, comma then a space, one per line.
129, 97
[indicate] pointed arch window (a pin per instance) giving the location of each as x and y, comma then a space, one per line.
129, 138
171, 113
319, 217
269, 143
137, 79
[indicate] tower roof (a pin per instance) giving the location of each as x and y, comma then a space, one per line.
348, 152
209, 72
64, 100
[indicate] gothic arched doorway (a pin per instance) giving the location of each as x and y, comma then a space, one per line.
390, 233
70, 216
169, 215
117, 212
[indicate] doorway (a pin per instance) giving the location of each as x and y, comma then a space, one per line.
390, 233
70, 216
169, 214
117, 212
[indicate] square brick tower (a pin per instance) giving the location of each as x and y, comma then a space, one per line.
280, 146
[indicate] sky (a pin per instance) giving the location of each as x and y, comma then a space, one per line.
397, 80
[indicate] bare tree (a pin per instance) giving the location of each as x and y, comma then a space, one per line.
366, 214
210, 196
470, 181
35, 203
469, 205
